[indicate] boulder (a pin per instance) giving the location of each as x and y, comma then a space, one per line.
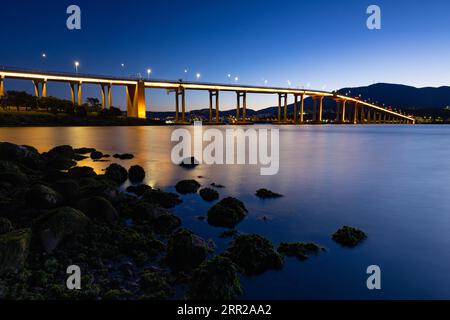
154, 284
69, 189
5, 226
14, 247
123, 156
144, 211
164, 199
266, 194
185, 250
59, 162
42, 197
254, 254
26, 155
217, 279
59, 225
99, 208
187, 186
300, 250
84, 150
349, 236
116, 173
63, 151
189, 163
98, 186
166, 223
227, 213
96, 155
81, 172
12, 173
138, 190
136, 174
209, 194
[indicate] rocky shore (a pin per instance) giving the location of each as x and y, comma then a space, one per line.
128, 245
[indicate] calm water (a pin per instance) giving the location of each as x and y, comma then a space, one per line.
393, 182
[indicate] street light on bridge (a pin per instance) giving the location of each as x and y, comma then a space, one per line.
198, 75
77, 64
149, 71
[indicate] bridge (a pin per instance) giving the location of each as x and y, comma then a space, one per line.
349, 109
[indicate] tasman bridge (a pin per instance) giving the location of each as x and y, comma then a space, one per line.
349, 109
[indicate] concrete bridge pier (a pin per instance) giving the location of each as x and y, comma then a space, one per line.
295, 108
302, 107
2, 86
342, 115
40, 88
213, 94
136, 100
180, 93
282, 96
355, 113
320, 111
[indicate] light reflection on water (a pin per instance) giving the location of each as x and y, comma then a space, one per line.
391, 181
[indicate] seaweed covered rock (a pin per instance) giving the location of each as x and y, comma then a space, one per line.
98, 186
144, 211
164, 199
267, 194
69, 189
216, 279
42, 197
99, 208
189, 163
166, 223
5, 226
227, 213
12, 173
209, 194
116, 173
136, 173
187, 186
349, 236
185, 250
301, 250
138, 190
25, 155
14, 247
154, 284
254, 254
81, 172
58, 225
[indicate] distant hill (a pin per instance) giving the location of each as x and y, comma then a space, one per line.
406, 98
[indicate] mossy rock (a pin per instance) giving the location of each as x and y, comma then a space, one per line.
185, 250
227, 213
136, 174
254, 254
14, 247
349, 236
69, 189
216, 279
209, 194
58, 225
25, 155
65, 151
42, 197
301, 250
147, 212
164, 199
12, 173
98, 186
116, 173
154, 284
267, 194
187, 186
5, 226
166, 223
99, 208
117, 294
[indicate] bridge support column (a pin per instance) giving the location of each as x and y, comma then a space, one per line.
314, 111
217, 107
338, 110
44, 88
295, 108
285, 108
136, 100
279, 107
80, 95
319, 116
212, 94
238, 104
108, 88
361, 114
180, 92
384, 117
343, 111
177, 107
72, 92
2, 86
36, 88
355, 114
302, 107
369, 116
244, 106
102, 87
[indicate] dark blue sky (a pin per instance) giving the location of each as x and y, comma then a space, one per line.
318, 44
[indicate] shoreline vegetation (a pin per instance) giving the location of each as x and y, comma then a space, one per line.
128, 245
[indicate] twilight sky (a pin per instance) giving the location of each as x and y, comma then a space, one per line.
318, 44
